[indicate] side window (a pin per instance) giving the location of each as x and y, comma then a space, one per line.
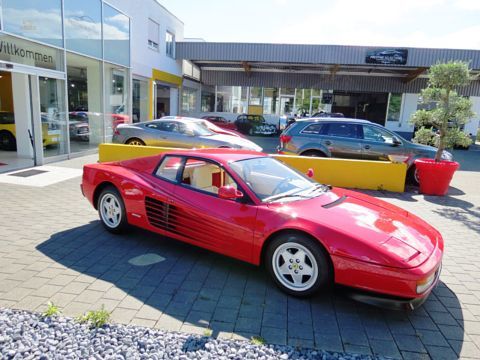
205, 176
168, 169
184, 129
152, 126
312, 129
342, 130
371, 133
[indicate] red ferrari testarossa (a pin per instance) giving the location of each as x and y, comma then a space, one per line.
253, 207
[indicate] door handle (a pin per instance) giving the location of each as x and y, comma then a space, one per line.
170, 201
367, 147
328, 142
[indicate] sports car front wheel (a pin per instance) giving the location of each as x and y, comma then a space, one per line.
112, 210
298, 264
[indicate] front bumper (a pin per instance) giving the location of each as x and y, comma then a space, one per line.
391, 283
392, 302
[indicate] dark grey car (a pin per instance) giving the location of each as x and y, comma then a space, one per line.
351, 139
178, 133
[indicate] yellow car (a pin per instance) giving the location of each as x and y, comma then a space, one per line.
8, 141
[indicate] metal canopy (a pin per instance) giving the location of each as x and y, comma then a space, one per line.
289, 65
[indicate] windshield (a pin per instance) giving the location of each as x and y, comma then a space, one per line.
272, 180
198, 128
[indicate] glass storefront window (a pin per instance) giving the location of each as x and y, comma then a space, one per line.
116, 36
189, 100
140, 100
287, 91
36, 20
316, 92
116, 98
208, 102
232, 99
25, 52
255, 96
84, 102
53, 116
270, 100
83, 26
394, 107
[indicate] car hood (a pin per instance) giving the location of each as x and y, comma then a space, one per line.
234, 141
368, 229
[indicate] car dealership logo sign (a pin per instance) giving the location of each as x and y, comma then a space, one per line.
387, 56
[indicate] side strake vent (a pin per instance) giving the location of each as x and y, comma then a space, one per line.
335, 203
158, 214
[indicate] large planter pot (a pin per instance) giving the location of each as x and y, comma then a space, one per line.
435, 177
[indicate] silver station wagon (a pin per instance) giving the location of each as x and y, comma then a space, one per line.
178, 133
352, 139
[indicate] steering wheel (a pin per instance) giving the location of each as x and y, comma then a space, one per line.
280, 185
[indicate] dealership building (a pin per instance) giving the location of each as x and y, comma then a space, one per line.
378, 84
71, 71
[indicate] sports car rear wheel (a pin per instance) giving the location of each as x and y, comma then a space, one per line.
112, 210
298, 265
135, 141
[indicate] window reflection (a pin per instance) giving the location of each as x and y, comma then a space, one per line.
38, 20
116, 34
116, 98
83, 26
54, 124
84, 102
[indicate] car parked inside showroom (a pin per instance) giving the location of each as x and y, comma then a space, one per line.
352, 139
8, 131
252, 207
178, 132
254, 125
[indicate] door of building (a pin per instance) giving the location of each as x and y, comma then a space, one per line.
33, 119
286, 105
16, 130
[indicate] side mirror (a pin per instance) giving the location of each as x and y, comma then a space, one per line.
229, 192
310, 173
396, 142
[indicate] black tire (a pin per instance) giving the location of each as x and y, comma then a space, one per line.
313, 153
7, 141
122, 225
412, 176
135, 141
324, 275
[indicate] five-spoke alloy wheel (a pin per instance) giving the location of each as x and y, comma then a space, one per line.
112, 210
298, 264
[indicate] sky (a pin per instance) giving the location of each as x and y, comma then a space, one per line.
409, 23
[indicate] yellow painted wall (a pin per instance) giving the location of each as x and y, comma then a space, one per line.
359, 174
6, 94
255, 110
164, 77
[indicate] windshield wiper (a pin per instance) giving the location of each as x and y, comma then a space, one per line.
323, 187
280, 196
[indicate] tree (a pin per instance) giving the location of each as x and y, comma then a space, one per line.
442, 125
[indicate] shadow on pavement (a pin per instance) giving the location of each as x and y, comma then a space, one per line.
188, 287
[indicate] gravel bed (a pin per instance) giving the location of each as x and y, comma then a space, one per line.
26, 335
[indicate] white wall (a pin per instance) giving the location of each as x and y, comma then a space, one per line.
472, 126
143, 58
23, 119
409, 106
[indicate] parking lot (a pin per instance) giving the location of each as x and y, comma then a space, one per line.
53, 248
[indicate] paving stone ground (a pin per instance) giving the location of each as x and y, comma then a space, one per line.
53, 248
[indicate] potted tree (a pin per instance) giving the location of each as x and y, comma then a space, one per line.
442, 123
